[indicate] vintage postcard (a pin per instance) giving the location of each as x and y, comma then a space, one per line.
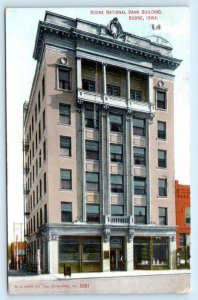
98, 150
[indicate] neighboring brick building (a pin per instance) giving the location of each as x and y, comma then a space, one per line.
17, 255
182, 198
99, 176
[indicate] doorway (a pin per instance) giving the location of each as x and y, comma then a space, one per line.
117, 258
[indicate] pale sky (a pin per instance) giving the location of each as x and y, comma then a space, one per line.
21, 28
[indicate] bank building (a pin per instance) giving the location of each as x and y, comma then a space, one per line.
99, 184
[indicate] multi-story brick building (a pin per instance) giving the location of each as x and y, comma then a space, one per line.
99, 149
182, 198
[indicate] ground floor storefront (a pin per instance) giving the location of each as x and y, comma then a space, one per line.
105, 249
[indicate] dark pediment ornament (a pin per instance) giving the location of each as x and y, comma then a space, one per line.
115, 29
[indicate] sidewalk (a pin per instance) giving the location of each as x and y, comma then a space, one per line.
20, 275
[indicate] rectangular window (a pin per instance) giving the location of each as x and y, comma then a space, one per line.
139, 156
89, 85
41, 217
66, 212
37, 220
161, 99
187, 215
64, 78
39, 102
36, 141
162, 158
43, 120
35, 115
117, 184
34, 224
92, 150
65, 146
162, 216
116, 152
139, 186
45, 213
91, 118
92, 181
93, 213
39, 131
45, 183
162, 187
139, 126
44, 151
43, 86
66, 179
40, 185
140, 215
40, 159
64, 114
117, 210
32, 125
113, 90
136, 95
161, 130
116, 123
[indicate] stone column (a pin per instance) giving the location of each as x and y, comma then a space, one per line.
128, 85
106, 250
172, 252
129, 251
104, 79
79, 73
53, 258
150, 89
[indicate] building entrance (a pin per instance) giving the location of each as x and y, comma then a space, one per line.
117, 259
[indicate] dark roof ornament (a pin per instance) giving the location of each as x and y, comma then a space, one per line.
115, 29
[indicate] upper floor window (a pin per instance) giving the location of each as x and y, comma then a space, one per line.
161, 130
139, 156
117, 210
66, 180
117, 184
91, 118
116, 152
139, 186
139, 126
136, 95
66, 212
162, 187
187, 215
44, 120
39, 101
162, 158
65, 145
162, 216
92, 150
43, 86
116, 123
92, 181
89, 85
64, 78
161, 99
93, 213
113, 90
140, 215
64, 114
45, 213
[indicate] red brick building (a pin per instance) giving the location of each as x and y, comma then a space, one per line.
182, 198
17, 255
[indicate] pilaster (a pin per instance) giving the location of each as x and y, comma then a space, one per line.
79, 73
106, 250
172, 252
129, 251
53, 242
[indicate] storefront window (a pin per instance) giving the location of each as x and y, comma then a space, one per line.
160, 252
91, 250
68, 250
141, 252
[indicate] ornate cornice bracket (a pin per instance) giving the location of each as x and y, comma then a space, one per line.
131, 235
106, 235
115, 29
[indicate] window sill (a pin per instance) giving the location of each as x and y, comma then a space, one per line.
65, 156
64, 124
64, 90
161, 109
65, 190
162, 197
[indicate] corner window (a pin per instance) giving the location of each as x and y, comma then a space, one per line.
161, 100
140, 215
92, 150
136, 95
116, 123
92, 181
139, 126
162, 216
93, 213
139, 156
139, 186
117, 184
64, 78
66, 212
65, 146
162, 187
116, 152
64, 114
161, 130
66, 180
162, 158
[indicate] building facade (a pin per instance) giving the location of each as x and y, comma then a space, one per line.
99, 185
182, 198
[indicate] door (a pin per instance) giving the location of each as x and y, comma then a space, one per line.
117, 260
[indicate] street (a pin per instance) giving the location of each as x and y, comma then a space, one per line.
135, 282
